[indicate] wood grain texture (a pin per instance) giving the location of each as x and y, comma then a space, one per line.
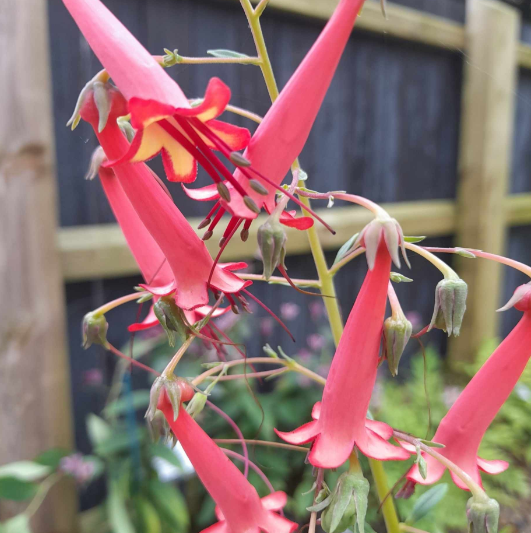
34, 380
493, 31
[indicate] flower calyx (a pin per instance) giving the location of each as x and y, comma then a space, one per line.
94, 330
272, 241
170, 318
483, 515
96, 161
450, 306
348, 504
177, 390
521, 299
388, 228
397, 332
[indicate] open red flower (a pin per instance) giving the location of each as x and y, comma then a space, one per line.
192, 268
462, 429
239, 508
282, 134
160, 111
340, 420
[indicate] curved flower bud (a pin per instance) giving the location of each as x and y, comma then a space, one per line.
390, 230
177, 390
521, 299
94, 330
450, 306
170, 319
272, 242
483, 515
397, 333
348, 506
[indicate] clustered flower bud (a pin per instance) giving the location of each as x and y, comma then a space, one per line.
94, 330
450, 306
483, 515
173, 388
393, 235
169, 316
397, 333
272, 242
348, 504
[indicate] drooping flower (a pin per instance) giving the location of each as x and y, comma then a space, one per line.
340, 420
239, 508
192, 268
281, 136
163, 116
462, 429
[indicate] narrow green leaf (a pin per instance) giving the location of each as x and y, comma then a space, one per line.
25, 470
169, 504
116, 507
17, 524
52, 458
97, 464
226, 54
415, 238
16, 490
427, 502
148, 517
343, 251
98, 430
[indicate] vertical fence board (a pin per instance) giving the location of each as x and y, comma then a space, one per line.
34, 385
492, 32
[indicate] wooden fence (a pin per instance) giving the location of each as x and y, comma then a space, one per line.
480, 216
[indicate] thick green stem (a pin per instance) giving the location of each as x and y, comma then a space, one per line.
325, 277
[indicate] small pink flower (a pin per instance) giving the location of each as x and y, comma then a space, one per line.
304, 355
316, 342
289, 310
415, 318
267, 325
317, 310
77, 467
93, 377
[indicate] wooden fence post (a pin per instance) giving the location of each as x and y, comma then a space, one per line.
35, 411
490, 74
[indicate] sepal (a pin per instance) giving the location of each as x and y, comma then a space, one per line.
169, 316
483, 515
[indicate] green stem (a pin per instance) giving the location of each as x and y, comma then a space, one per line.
264, 443
446, 271
217, 60
44, 488
168, 371
105, 308
326, 278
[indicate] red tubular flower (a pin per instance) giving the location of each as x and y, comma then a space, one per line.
160, 111
281, 136
340, 421
193, 271
462, 429
239, 508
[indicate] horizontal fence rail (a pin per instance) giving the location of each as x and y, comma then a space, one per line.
100, 251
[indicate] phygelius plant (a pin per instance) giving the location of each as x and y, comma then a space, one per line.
138, 111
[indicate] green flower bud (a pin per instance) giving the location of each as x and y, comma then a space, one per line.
94, 330
348, 505
483, 515
450, 306
171, 385
397, 334
272, 242
196, 404
169, 316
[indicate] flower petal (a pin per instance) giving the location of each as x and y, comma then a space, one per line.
235, 137
278, 524
377, 448
275, 501
217, 97
160, 290
492, 467
435, 470
219, 527
146, 112
149, 322
316, 411
233, 266
380, 428
300, 223
302, 435
329, 452
203, 194
227, 282
179, 164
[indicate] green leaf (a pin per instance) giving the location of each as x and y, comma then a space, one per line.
137, 400
160, 450
116, 443
25, 470
147, 516
227, 54
17, 524
98, 465
16, 490
415, 238
98, 430
343, 251
116, 507
169, 504
52, 458
427, 502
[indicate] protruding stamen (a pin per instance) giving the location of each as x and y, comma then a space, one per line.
222, 241
230, 230
239, 160
256, 186
245, 231
223, 191
207, 235
250, 203
204, 223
